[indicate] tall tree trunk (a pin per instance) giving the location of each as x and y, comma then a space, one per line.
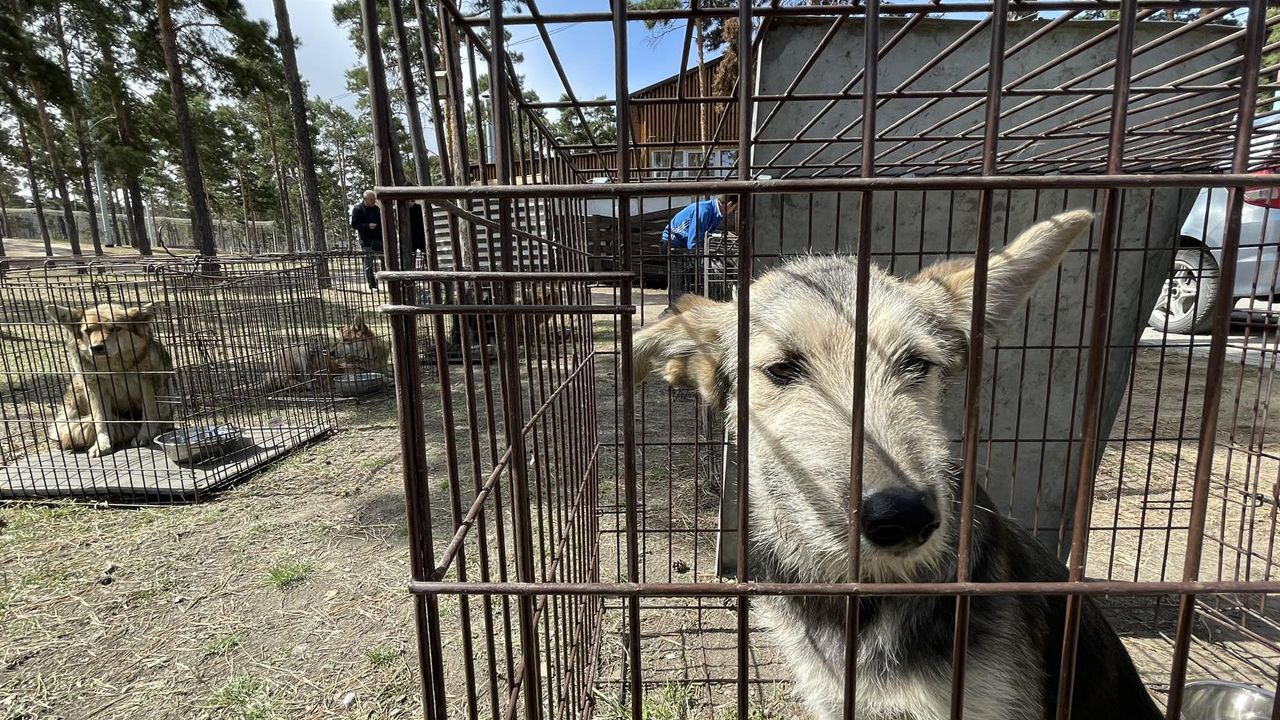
285, 220
155, 226
35, 188
115, 220
417, 140
342, 173
253, 223
244, 209
704, 109
137, 212
135, 231
59, 175
456, 114
457, 165
134, 214
4, 221
201, 221
304, 228
77, 122
310, 188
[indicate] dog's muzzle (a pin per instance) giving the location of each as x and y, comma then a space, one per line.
98, 349
899, 519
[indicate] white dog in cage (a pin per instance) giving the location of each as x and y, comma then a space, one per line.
119, 372
800, 397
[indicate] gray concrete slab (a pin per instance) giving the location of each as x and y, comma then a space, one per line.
145, 474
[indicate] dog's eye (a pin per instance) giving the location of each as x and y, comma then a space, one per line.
914, 368
785, 372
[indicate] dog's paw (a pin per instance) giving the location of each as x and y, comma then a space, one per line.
140, 440
101, 447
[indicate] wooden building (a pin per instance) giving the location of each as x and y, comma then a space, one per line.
676, 132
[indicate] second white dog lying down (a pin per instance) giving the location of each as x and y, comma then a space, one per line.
801, 395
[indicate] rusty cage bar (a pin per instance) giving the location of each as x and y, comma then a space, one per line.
583, 544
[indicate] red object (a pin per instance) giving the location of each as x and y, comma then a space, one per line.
1268, 197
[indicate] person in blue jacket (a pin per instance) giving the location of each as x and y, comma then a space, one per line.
685, 236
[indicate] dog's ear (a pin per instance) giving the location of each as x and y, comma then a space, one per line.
63, 315
143, 313
1012, 273
685, 345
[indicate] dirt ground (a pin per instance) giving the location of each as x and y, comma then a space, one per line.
284, 597
271, 602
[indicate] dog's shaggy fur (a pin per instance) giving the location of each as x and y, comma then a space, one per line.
359, 349
356, 349
801, 395
119, 373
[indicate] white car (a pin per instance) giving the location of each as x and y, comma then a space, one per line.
1187, 299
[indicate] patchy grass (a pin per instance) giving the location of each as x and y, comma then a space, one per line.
190, 626
672, 701
288, 573
246, 697
220, 645
382, 656
25, 523
669, 703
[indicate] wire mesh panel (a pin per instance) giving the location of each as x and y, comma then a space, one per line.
160, 382
966, 415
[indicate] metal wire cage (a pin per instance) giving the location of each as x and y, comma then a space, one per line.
590, 553
234, 348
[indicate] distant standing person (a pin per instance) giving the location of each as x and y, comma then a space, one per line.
366, 220
684, 238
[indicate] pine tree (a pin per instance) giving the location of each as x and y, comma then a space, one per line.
201, 221
302, 132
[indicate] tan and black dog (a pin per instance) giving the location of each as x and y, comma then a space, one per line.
357, 349
119, 373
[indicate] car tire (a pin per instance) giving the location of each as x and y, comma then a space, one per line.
1186, 301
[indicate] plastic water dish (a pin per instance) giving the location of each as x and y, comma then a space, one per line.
195, 445
1221, 700
358, 383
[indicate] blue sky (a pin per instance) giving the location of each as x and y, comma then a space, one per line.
586, 50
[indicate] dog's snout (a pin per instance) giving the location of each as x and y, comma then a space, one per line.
897, 518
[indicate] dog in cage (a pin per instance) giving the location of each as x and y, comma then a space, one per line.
355, 349
359, 349
801, 397
119, 373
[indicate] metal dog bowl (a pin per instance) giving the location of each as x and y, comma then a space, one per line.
194, 445
1221, 700
358, 383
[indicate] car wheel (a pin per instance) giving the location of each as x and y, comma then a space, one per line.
1186, 301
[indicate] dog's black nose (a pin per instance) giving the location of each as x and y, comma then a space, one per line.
98, 349
892, 518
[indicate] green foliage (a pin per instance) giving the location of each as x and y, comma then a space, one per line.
714, 35
288, 573
601, 123
382, 656
23, 65
220, 645
246, 697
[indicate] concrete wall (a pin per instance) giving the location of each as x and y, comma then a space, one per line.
1033, 396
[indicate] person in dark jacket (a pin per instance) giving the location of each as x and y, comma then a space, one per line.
417, 229
366, 220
